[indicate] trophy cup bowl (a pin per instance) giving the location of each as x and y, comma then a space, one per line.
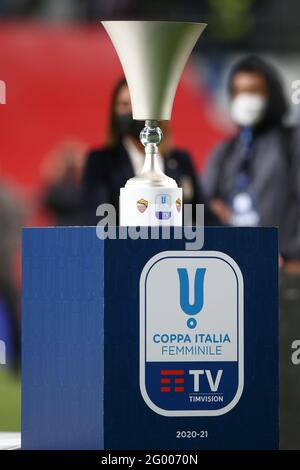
153, 55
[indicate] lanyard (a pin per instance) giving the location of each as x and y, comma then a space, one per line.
242, 179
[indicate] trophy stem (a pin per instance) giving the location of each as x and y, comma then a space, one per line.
151, 123
151, 198
151, 164
150, 137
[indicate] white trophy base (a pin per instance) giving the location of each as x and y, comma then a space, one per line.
150, 206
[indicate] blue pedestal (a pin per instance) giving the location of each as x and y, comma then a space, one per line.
100, 367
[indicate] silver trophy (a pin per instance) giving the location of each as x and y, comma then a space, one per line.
153, 55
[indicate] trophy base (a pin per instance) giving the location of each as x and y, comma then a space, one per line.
91, 376
150, 206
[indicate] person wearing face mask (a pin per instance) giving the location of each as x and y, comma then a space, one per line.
108, 169
254, 180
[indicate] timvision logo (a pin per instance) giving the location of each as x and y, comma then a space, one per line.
191, 333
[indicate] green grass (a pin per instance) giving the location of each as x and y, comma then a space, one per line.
10, 400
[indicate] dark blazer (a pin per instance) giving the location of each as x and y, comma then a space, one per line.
274, 167
108, 169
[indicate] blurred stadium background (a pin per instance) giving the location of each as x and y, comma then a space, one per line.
59, 69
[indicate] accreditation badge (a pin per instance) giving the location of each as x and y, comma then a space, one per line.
191, 333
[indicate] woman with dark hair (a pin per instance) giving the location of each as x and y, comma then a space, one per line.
108, 169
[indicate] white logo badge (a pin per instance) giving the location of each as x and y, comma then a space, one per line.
191, 333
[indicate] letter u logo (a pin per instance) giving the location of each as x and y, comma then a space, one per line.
187, 307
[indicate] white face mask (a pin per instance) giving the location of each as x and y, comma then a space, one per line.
247, 109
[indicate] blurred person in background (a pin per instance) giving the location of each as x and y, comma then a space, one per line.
254, 180
62, 170
108, 169
10, 235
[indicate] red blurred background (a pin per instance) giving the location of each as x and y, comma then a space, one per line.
59, 79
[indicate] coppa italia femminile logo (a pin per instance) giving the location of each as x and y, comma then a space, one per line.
191, 333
